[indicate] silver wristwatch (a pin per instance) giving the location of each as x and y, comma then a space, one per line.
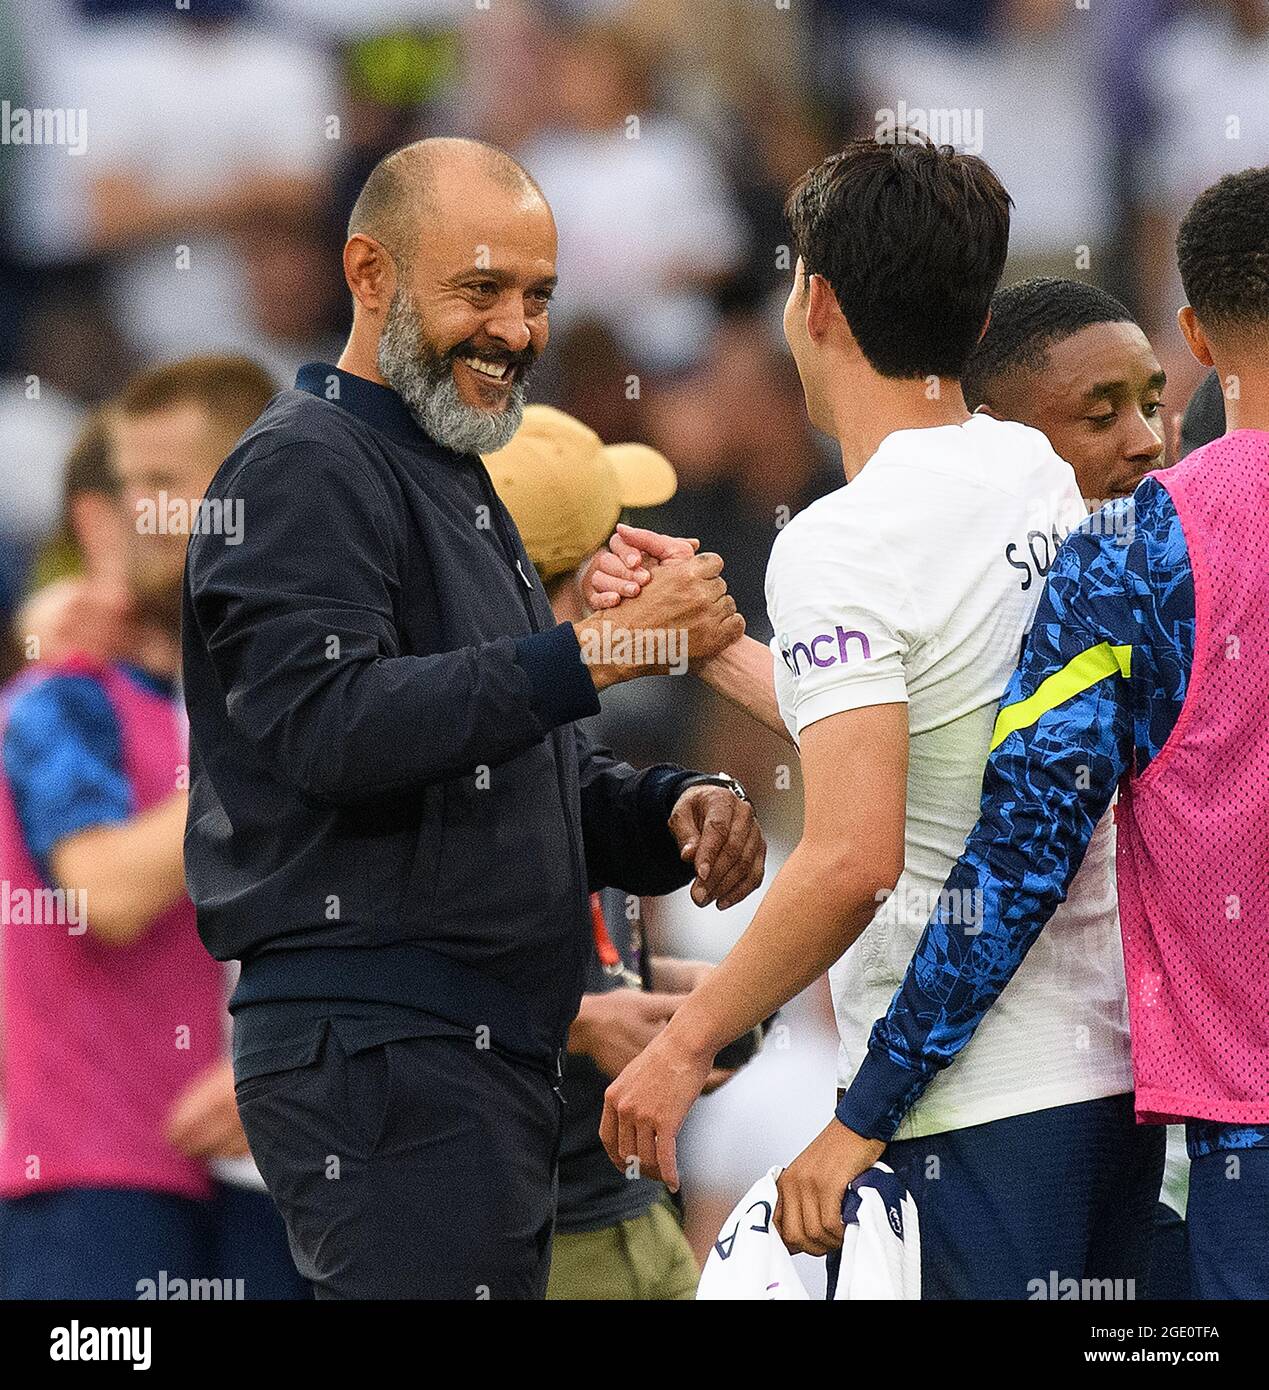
722, 779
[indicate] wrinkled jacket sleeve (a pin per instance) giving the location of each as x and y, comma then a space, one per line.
298, 621
624, 821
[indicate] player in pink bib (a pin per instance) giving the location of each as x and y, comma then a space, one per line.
122, 1163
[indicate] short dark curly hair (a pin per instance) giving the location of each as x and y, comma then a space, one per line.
912, 237
1222, 250
1029, 318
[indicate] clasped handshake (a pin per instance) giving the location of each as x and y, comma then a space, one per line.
658, 606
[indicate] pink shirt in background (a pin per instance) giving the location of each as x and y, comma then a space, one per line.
100, 1040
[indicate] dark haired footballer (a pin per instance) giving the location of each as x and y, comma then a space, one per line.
1147, 669
1069, 360
899, 604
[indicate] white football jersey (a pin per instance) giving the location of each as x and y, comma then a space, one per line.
916, 583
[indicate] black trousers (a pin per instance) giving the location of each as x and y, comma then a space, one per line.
419, 1169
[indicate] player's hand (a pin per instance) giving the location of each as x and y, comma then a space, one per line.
681, 617
719, 835
613, 1028
203, 1122
625, 567
813, 1187
645, 1107
681, 977
607, 579
677, 976
72, 615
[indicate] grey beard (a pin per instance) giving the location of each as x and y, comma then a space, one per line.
425, 382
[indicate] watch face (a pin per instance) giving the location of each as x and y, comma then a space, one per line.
725, 779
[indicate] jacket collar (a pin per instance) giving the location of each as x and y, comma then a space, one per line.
379, 406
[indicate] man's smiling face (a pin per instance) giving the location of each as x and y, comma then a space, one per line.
469, 316
1099, 398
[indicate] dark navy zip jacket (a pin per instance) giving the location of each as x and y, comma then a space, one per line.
390, 802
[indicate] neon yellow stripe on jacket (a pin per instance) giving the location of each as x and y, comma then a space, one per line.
1076, 676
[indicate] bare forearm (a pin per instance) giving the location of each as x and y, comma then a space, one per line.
673, 976
744, 675
130, 873
814, 910
582, 1031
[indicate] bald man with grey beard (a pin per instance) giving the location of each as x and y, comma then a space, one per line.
395, 819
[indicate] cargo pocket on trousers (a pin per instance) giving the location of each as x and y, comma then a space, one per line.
291, 1063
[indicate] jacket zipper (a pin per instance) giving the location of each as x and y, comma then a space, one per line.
513, 559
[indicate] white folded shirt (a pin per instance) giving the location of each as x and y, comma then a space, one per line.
880, 1257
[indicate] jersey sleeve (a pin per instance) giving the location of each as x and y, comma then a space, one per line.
63, 758
842, 622
1062, 740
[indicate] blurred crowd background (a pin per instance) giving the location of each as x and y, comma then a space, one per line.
226, 141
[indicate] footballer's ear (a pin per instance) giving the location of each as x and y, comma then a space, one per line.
822, 309
1192, 332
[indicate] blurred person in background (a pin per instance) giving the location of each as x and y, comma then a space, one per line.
617, 1235
201, 124
289, 298
646, 221
124, 1166
1204, 78
986, 75
734, 71
498, 96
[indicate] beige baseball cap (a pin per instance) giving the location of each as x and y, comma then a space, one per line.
566, 488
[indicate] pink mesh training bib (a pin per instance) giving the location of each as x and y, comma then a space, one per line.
1193, 843
100, 1040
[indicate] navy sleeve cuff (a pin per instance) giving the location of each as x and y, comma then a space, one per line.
667, 784
881, 1094
562, 688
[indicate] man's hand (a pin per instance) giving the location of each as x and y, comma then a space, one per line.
645, 1107
203, 1122
682, 977
682, 616
622, 570
72, 615
719, 835
677, 976
614, 1028
813, 1187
